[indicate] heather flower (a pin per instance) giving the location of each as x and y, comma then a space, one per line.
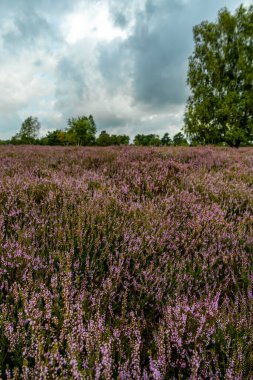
128, 263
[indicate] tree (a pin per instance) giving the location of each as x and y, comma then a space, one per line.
29, 131
220, 76
120, 139
81, 131
166, 140
179, 140
147, 140
103, 139
57, 137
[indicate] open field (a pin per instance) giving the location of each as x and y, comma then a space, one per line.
126, 263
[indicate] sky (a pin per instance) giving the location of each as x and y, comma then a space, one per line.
123, 61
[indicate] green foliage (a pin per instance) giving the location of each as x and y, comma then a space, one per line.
28, 132
104, 139
147, 140
166, 140
81, 131
179, 140
220, 76
120, 139
56, 137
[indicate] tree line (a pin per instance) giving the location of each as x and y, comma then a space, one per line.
81, 131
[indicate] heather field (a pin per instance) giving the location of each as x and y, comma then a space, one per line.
126, 263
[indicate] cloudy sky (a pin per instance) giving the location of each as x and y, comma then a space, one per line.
123, 61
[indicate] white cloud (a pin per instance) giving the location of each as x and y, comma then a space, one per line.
90, 21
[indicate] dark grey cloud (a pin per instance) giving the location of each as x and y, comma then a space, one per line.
30, 40
120, 20
122, 12
30, 28
32, 23
70, 86
70, 78
111, 123
159, 66
115, 65
159, 47
47, 6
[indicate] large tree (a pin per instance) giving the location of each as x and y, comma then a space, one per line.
220, 76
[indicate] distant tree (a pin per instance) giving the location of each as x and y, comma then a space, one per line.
147, 140
179, 139
57, 137
103, 139
81, 131
120, 139
28, 132
166, 140
92, 123
220, 76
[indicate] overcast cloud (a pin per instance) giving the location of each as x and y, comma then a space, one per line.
124, 62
